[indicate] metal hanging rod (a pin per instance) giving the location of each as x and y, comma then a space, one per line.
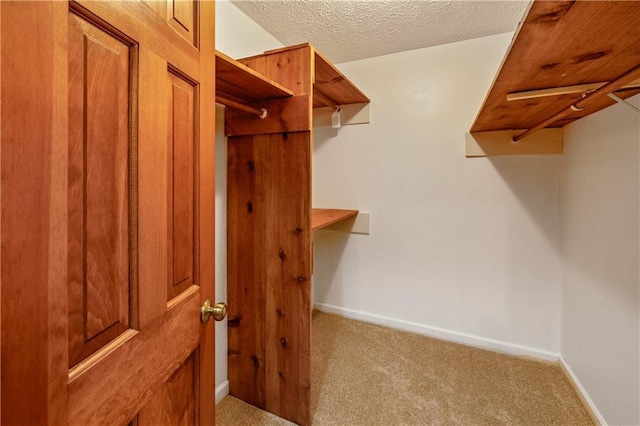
599, 93
262, 113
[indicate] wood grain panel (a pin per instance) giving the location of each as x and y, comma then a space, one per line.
269, 244
237, 82
283, 115
151, 30
246, 227
176, 401
153, 187
290, 67
158, 6
183, 17
33, 106
44, 172
206, 199
100, 395
181, 200
269, 264
288, 280
293, 66
98, 197
562, 43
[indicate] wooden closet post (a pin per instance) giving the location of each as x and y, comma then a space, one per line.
269, 219
269, 242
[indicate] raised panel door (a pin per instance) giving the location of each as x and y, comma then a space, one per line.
107, 208
98, 196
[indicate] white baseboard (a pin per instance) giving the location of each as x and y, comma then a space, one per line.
440, 333
582, 393
222, 391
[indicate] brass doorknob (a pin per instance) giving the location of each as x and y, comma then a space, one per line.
217, 311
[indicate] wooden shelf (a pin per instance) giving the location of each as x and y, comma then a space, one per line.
559, 47
241, 84
331, 87
321, 218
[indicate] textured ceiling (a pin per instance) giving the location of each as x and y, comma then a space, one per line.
356, 29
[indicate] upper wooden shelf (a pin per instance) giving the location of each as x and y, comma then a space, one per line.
331, 87
315, 83
321, 218
241, 84
559, 45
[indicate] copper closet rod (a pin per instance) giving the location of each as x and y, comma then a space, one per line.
262, 113
603, 91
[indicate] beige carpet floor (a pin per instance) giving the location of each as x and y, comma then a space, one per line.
363, 374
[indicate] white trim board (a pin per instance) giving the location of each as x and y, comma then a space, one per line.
440, 333
582, 393
222, 391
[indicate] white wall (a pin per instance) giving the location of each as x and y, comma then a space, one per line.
600, 233
237, 36
457, 245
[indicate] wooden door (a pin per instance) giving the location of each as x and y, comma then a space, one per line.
107, 227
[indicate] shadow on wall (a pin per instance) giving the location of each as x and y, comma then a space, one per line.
323, 135
535, 182
328, 248
532, 241
601, 205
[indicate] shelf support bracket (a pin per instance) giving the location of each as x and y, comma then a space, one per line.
500, 142
624, 103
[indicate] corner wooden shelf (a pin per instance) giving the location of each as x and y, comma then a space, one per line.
564, 54
321, 218
241, 84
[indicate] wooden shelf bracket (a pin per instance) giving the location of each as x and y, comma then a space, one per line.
322, 218
500, 142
